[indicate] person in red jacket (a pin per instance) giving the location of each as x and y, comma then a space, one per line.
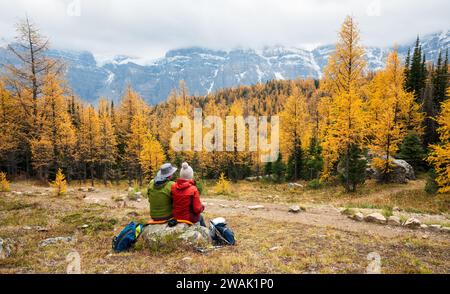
186, 197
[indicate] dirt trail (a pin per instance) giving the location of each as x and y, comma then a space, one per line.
315, 215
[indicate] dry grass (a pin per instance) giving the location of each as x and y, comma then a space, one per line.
410, 197
300, 249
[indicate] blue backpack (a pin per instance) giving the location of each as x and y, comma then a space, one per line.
220, 233
126, 239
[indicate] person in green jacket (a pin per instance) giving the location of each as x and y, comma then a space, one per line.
159, 193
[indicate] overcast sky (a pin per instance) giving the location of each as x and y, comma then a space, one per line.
148, 28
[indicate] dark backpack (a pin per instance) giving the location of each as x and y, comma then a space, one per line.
220, 233
127, 237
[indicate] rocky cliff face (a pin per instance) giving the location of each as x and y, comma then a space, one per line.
206, 70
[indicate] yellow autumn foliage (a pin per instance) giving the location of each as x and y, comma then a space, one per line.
60, 183
440, 154
222, 185
4, 184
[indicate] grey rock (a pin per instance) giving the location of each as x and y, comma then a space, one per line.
55, 240
196, 235
412, 223
401, 172
435, 228
375, 218
358, 217
394, 220
295, 185
445, 230
255, 207
294, 209
156, 236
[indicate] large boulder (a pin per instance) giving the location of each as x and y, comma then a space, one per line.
412, 223
401, 172
375, 218
159, 236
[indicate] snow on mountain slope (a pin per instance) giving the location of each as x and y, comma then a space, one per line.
205, 70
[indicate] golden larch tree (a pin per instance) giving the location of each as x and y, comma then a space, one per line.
152, 156
439, 156
295, 129
344, 76
390, 117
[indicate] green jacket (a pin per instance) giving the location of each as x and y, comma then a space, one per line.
160, 199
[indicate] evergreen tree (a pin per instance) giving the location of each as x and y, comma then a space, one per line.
411, 150
352, 168
440, 80
279, 169
314, 162
296, 162
417, 72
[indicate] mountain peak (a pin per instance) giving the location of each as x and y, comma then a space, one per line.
205, 70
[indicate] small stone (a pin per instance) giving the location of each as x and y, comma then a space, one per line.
139, 200
424, 236
83, 226
294, 209
394, 221
274, 248
55, 240
91, 189
434, 228
358, 217
27, 228
375, 218
412, 223
133, 214
223, 205
423, 226
187, 259
445, 230
295, 185
255, 207
41, 229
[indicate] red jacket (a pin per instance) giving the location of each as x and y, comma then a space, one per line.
186, 201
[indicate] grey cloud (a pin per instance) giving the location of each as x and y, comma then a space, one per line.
147, 29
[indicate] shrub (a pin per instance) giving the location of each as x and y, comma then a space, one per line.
60, 183
223, 185
315, 184
431, 187
4, 184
